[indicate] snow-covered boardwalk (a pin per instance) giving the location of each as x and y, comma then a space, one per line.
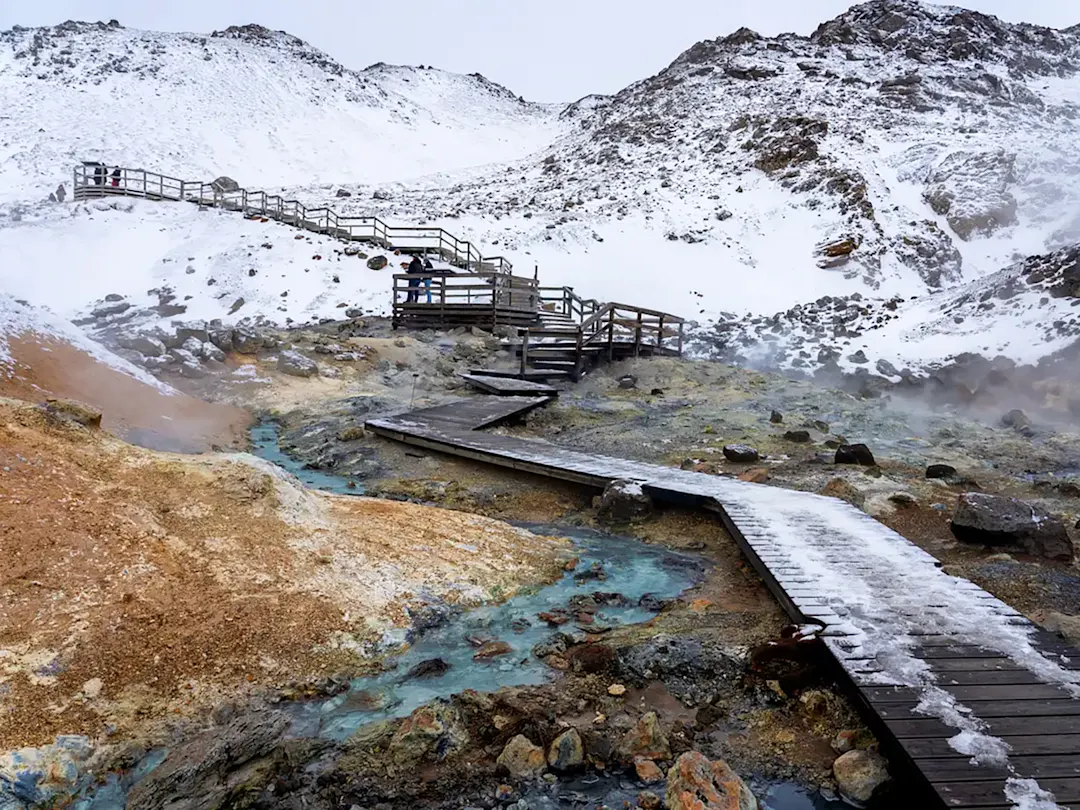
978, 704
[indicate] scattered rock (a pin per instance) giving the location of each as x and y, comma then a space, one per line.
566, 751
521, 758
296, 365
993, 520
144, 345
646, 740
432, 731
1016, 418
352, 434
616, 690
492, 649
695, 783
624, 501
1067, 626
741, 453
843, 742
648, 771
627, 381
195, 329
797, 436
940, 471
776, 417
106, 310
432, 668
342, 193
223, 339
247, 341
903, 499
71, 411
839, 488
236, 305
591, 658
647, 800
855, 454
859, 774
377, 262
757, 475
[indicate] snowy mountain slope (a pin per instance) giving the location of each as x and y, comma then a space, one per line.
261, 106
902, 148
1025, 312
172, 259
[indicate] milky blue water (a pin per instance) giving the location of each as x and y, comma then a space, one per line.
264, 444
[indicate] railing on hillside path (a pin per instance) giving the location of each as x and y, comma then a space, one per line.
433, 300
99, 181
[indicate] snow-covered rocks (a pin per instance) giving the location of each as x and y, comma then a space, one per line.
296, 365
624, 501
860, 774
972, 191
994, 520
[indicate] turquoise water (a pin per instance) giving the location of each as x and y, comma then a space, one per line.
264, 444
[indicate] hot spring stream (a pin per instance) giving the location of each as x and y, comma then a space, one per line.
642, 575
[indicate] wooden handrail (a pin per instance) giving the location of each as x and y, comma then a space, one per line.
140, 183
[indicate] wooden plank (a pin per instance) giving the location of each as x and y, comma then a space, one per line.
508, 386
889, 694
990, 792
959, 768
920, 728
1034, 744
989, 709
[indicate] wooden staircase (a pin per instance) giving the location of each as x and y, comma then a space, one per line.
574, 335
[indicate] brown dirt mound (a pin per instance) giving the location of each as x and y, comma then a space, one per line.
132, 409
137, 585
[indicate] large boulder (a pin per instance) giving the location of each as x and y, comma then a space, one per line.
741, 453
646, 740
994, 520
855, 454
695, 783
215, 768
195, 329
859, 774
566, 751
105, 310
1067, 626
433, 731
377, 262
624, 501
522, 758
296, 365
247, 341
146, 345
223, 339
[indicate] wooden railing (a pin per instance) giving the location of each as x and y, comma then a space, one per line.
445, 299
90, 182
564, 302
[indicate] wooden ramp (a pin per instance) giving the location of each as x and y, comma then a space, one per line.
979, 706
509, 386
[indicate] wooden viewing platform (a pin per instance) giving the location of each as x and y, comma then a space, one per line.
922, 652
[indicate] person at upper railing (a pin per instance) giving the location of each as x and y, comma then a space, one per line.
416, 267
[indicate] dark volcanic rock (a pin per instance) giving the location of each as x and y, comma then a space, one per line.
432, 668
797, 436
994, 520
689, 667
941, 471
740, 453
624, 501
855, 454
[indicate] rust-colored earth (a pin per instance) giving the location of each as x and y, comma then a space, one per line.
138, 585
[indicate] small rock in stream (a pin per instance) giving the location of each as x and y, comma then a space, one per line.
432, 668
492, 649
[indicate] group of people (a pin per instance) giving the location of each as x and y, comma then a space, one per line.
103, 176
419, 267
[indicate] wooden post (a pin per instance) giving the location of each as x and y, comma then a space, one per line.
637, 336
524, 335
611, 336
660, 335
578, 354
680, 337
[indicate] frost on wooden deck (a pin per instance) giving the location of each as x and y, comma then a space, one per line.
879, 597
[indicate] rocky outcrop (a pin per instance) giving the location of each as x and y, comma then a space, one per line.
993, 520
646, 740
972, 191
214, 768
433, 731
695, 783
855, 454
225, 185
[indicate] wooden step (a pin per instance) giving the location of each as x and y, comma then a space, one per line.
530, 373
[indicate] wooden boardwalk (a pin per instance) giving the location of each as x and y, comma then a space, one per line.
977, 705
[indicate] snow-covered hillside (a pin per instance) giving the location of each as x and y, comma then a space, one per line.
261, 106
903, 151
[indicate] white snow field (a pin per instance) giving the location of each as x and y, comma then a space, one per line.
902, 150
